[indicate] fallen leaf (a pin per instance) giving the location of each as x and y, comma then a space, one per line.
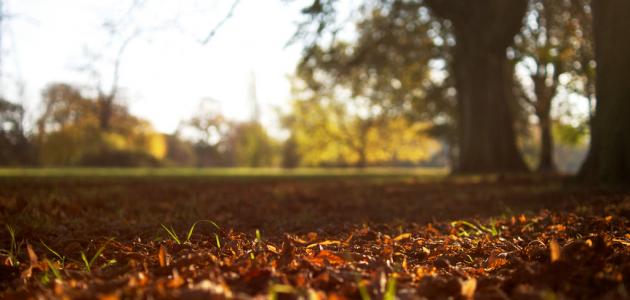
162, 256
324, 243
112, 296
554, 249
402, 237
325, 256
273, 249
175, 281
32, 257
468, 288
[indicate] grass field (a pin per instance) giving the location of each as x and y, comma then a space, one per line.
231, 173
308, 233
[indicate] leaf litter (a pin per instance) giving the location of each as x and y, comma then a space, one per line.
312, 240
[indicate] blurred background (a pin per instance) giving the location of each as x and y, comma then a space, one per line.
229, 83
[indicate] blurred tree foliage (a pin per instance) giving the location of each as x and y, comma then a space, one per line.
15, 148
326, 131
451, 63
556, 39
378, 80
247, 144
403, 57
398, 59
69, 133
217, 141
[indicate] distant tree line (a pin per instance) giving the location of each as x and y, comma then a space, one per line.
70, 132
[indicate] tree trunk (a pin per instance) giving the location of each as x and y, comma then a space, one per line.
546, 163
362, 162
361, 144
609, 156
106, 107
483, 80
542, 106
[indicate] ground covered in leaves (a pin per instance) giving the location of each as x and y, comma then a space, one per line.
325, 238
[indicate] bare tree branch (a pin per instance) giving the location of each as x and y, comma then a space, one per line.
221, 23
116, 73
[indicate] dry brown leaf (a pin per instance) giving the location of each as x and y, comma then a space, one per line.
495, 261
112, 296
468, 288
558, 227
347, 241
175, 281
138, 280
620, 241
162, 256
324, 243
272, 249
404, 264
32, 257
325, 256
554, 249
402, 237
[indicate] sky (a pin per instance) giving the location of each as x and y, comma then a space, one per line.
165, 70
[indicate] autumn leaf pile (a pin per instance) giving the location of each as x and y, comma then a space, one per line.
576, 247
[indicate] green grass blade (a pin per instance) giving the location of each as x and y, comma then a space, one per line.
99, 251
54, 269
216, 237
86, 262
172, 233
467, 224
13, 243
365, 295
390, 290
192, 228
190, 231
280, 289
55, 253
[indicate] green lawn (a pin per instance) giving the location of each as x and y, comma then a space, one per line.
235, 173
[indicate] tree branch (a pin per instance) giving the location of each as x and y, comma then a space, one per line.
221, 23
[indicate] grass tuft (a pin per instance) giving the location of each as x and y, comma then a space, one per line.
171, 232
14, 247
88, 263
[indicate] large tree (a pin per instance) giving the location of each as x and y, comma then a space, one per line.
386, 70
609, 156
483, 78
554, 41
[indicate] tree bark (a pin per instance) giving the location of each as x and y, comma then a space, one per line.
361, 147
546, 163
542, 107
362, 162
106, 111
609, 156
483, 80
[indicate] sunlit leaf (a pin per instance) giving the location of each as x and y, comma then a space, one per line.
554, 250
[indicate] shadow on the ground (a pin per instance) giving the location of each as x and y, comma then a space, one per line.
65, 208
